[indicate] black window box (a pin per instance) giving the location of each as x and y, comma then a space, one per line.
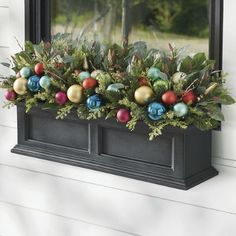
179, 158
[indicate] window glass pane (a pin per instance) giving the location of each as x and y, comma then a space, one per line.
158, 22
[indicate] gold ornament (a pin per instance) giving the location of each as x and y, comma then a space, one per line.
143, 95
74, 93
20, 86
178, 77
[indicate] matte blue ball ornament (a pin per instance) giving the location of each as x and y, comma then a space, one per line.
45, 82
33, 83
25, 72
94, 102
154, 74
156, 111
180, 109
84, 75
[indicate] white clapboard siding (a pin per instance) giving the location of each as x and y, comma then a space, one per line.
20, 221
4, 57
111, 208
4, 3
4, 26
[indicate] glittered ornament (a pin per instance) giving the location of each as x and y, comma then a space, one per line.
38, 69
153, 73
90, 83
25, 72
123, 115
180, 109
33, 83
20, 86
94, 102
160, 86
178, 77
143, 95
169, 98
61, 98
95, 73
189, 98
10, 95
75, 93
84, 75
156, 111
115, 87
45, 82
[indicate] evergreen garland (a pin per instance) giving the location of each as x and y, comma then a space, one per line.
64, 59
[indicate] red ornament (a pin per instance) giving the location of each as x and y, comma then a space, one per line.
169, 98
61, 98
189, 98
89, 83
10, 95
38, 69
142, 81
123, 115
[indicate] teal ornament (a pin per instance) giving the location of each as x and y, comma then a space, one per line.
94, 102
33, 83
115, 87
25, 72
156, 111
160, 86
84, 75
180, 109
45, 82
153, 73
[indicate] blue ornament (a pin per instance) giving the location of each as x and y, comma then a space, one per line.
156, 111
33, 83
180, 109
94, 102
45, 82
25, 72
154, 73
84, 75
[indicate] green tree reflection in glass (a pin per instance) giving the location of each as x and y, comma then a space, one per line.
158, 22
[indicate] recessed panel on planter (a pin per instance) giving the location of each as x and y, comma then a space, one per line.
66, 133
179, 158
116, 143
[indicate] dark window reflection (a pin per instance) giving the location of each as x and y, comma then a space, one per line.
158, 22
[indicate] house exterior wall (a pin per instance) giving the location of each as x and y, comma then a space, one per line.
40, 198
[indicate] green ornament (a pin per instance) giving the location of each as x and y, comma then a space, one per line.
153, 73
160, 86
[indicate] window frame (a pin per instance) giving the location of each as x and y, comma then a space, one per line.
38, 25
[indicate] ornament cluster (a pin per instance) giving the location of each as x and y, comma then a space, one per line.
130, 84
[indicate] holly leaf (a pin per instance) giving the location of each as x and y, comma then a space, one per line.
186, 65
226, 100
215, 113
198, 60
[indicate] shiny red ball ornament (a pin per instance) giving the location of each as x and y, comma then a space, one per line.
142, 81
61, 98
90, 83
10, 95
123, 115
38, 69
169, 98
189, 98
